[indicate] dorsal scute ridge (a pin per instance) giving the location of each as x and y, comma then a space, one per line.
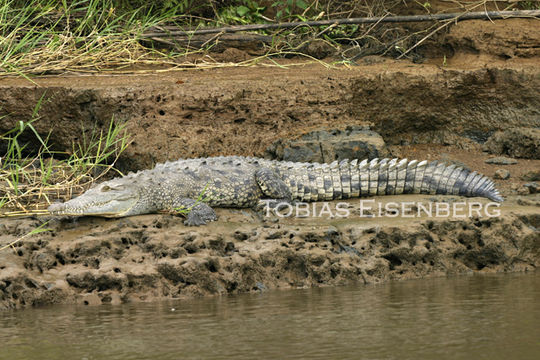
340, 178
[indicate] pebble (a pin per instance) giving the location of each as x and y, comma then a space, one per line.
523, 190
501, 160
502, 174
240, 235
533, 187
531, 176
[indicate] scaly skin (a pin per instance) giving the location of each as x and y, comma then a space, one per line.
235, 181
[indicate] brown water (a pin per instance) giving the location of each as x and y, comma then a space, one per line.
474, 317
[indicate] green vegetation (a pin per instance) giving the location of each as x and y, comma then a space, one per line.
35, 231
286, 10
28, 183
249, 12
184, 211
51, 36
529, 5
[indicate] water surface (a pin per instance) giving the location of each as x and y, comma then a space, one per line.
472, 317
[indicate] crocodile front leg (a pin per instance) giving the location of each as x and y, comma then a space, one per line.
198, 213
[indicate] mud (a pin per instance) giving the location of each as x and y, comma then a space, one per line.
153, 257
446, 108
499, 39
232, 111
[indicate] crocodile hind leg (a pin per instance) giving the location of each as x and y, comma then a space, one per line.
198, 213
271, 185
273, 188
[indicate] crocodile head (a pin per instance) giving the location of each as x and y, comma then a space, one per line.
109, 199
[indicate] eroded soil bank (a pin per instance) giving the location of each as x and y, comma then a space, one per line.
446, 108
242, 111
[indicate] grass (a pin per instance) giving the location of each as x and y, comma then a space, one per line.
202, 198
52, 37
49, 37
35, 231
46, 36
29, 183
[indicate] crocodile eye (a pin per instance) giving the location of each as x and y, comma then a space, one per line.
105, 188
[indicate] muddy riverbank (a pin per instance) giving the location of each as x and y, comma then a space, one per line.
154, 257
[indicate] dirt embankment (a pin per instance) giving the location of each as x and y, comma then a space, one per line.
447, 107
242, 111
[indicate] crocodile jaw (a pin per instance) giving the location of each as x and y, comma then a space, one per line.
112, 208
93, 203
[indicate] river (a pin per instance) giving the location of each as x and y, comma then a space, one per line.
466, 317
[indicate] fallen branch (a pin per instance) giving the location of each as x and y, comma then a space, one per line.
171, 31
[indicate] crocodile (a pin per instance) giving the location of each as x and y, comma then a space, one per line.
235, 181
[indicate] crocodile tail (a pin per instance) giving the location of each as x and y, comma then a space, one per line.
393, 177
351, 179
482, 186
